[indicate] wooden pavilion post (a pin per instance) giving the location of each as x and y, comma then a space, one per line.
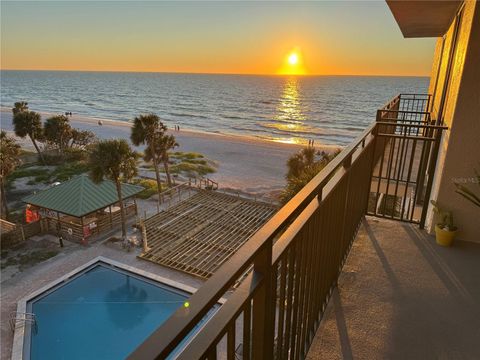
110, 214
59, 224
135, 202
84, 240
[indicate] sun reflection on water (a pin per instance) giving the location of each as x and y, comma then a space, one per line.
290, 117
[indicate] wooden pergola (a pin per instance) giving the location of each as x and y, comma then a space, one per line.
80, 208
200, 233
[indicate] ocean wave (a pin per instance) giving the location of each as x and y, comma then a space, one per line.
335, 109
232, 117
188, 115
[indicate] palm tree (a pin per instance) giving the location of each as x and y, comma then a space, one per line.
159, 150
299, 161
9, 159
28, 123
146, 129
57, 131
20, 106
113, 160
302, 167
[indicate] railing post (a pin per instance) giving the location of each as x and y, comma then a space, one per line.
373, 163
431, 173
346, 166
264, 306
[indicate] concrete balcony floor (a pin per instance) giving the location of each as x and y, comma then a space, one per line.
400, 296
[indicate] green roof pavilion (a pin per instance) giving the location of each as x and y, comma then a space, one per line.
80, 196
83, 208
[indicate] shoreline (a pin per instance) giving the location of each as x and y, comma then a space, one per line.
93, 121
245, 164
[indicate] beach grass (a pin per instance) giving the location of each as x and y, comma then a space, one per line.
67, 171
49, 174
192, 169
150, 187
190, 164
27, 171
186, 155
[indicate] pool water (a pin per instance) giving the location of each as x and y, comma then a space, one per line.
101, 314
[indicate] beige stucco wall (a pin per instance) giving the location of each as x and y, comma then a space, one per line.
460, 149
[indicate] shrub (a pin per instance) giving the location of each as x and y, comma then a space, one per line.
66, 171
302, 167
150, 187
23, 172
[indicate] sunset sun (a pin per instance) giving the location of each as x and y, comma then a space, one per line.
293, 64
293, 59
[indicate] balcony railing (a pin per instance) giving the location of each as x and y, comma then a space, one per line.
295, 258
405, 157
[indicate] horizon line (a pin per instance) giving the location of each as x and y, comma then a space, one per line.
212, 73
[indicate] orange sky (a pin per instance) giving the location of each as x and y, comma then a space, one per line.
332, 38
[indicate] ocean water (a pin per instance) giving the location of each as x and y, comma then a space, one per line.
330, 109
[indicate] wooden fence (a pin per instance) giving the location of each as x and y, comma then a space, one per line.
12, 234
75, 232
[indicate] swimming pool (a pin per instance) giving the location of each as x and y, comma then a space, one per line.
102, 312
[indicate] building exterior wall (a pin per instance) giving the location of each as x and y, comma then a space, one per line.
459, 153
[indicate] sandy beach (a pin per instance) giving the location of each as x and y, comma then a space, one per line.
245, 164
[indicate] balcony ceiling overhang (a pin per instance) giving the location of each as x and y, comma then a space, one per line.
423, 18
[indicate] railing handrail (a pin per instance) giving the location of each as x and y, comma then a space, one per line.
405, 111
414, 95
391, 102
386, 123
164, 340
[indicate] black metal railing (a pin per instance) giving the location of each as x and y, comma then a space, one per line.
296, 257
405, 157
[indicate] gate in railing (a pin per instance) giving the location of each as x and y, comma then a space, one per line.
297, 256
405, 157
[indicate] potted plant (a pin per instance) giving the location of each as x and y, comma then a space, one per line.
444, 230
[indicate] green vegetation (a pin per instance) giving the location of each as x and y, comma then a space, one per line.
186, 155
444, 217
148, 130
159, 152
149, 185
67, 171
47, 175
9, 153
302, 167
23, 172
28, 123
112, 159
57, 131
189, 164
192, 169
466, 192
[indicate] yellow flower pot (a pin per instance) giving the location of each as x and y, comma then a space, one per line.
444, 237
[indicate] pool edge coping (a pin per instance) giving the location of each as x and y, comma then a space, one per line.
19, 332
